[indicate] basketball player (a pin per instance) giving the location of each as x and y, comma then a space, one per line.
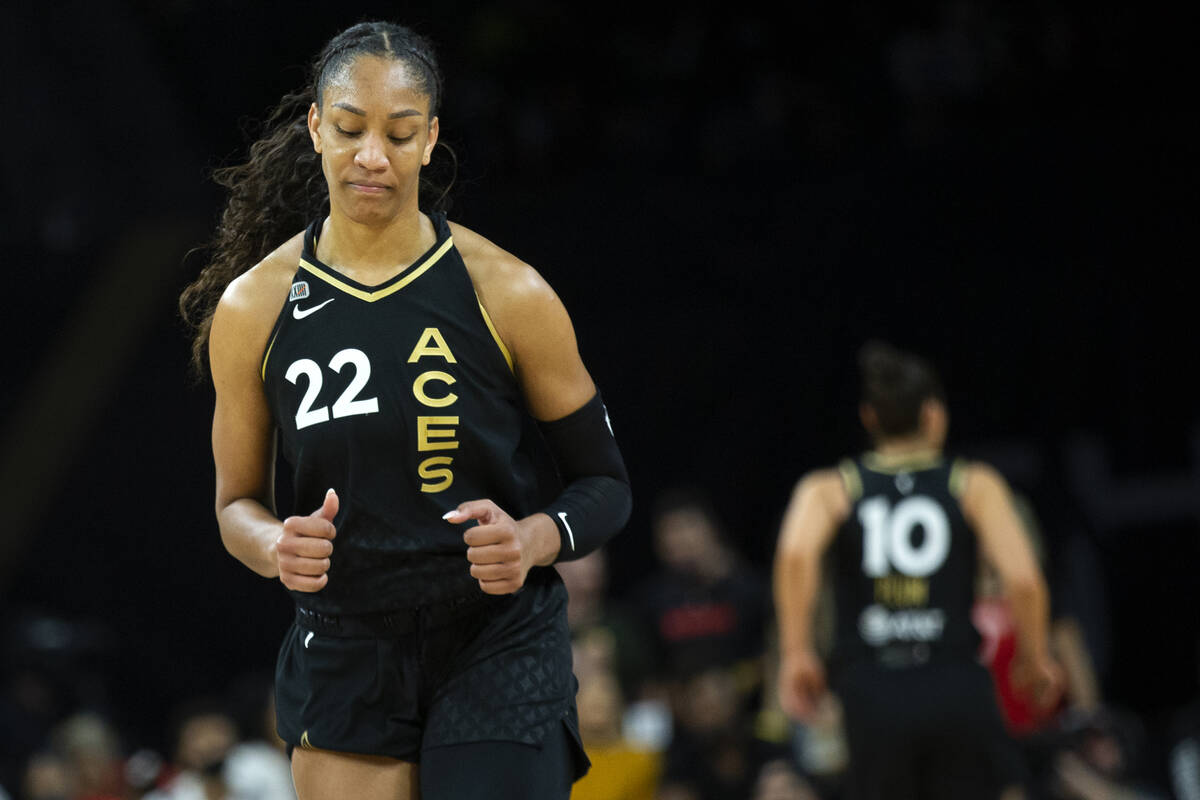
399, 357
903, 524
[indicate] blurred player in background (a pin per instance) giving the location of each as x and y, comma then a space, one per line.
905, 526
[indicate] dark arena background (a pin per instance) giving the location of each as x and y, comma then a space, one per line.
729, 203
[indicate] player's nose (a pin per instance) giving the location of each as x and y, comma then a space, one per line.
370, 154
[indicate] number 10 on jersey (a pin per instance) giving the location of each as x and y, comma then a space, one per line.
888, 536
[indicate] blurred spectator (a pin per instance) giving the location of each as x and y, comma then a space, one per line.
621, 769
779, 780
707, 606
715, 752
48, 776
29, 704
607, 637
47, 669
605, 633
204, 736
89, 745
258, 767
1185, 754
820, 749
215, 757
1100, 760
256, 770
144, 769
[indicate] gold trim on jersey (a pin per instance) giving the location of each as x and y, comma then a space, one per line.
267, 355
851, 479
895, 464
379, 294
958, 478
488, 321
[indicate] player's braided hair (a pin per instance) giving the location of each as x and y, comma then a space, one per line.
280, 187
896, 384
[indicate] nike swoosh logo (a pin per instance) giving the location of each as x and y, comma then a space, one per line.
308, 639
301, 313
570, 534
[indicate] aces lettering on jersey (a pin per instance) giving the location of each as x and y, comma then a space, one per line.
431, 388
435, 432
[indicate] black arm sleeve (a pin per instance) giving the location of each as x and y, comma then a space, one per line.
596, 502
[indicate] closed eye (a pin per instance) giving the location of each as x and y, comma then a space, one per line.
356, 134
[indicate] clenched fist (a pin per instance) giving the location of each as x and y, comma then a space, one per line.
305, 546
801, 684
500, 549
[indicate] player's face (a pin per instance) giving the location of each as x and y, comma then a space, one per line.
374, 133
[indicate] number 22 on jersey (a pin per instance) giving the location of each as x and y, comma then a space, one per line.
348, 402
433, 432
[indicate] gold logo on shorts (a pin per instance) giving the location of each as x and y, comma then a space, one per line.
304, 743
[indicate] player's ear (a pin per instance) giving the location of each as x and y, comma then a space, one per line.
868, 417
314, 126
935, 420
433, 137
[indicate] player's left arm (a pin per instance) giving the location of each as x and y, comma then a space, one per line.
560, 394
988, 507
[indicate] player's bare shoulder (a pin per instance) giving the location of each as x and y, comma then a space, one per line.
982, 486
827, 489
501, 279
818, 504
265, 284
251, 302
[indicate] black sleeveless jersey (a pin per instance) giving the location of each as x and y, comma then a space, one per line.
402, 398
904, 564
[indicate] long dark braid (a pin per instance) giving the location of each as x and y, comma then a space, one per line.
280, 188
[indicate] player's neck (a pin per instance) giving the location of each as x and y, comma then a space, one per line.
372, 254
906, 449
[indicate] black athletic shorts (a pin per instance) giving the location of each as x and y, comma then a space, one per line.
929, 731
484, 668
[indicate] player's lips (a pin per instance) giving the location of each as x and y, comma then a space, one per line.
369, 187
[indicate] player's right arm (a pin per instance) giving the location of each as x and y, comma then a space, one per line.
295, 550
988, 507
818, 506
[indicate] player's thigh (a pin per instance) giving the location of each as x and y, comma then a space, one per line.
876, 722
881, 766
327, 775
983, 767
499, 770
971, 753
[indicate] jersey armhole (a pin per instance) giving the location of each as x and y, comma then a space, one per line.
262, 372
850, 479
487, 320
957, 483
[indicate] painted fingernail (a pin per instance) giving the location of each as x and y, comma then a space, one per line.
451, 513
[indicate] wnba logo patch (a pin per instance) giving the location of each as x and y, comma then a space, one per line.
299, 291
